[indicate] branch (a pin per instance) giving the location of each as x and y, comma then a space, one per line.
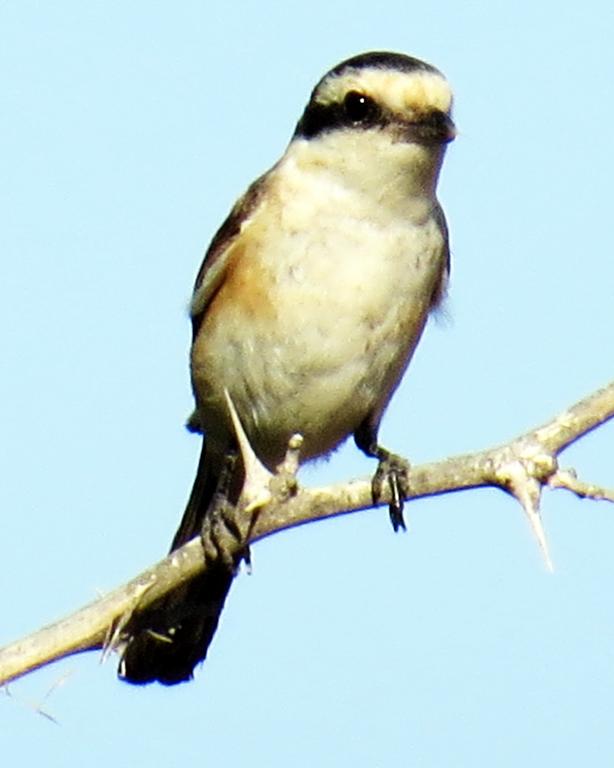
273, 503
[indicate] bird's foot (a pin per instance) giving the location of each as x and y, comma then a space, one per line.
222, 538
392, 471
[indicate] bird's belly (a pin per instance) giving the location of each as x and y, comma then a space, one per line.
323, 347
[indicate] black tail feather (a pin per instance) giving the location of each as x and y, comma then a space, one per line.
170, 638
173, 637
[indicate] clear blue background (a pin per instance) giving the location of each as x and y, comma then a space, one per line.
127, 131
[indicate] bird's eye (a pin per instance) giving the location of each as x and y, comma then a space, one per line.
359, 107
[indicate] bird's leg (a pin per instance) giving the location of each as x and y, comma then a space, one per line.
221, 535
392, 470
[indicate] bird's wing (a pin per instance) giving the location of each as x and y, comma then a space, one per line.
213, 269
440, 290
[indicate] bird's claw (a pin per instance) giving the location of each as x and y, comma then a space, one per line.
222, 539
392, 470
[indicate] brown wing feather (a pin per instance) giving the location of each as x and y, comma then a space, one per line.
211, 273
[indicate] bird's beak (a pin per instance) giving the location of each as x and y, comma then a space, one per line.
434, 127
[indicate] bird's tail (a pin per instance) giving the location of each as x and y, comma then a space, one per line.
167, 640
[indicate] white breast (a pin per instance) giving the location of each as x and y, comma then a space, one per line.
350, 282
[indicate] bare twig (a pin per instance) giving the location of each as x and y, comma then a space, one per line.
521, 467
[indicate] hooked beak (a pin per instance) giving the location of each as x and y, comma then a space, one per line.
434, 127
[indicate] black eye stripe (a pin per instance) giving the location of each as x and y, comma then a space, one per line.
356, 110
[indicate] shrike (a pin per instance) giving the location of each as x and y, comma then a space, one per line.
308, 307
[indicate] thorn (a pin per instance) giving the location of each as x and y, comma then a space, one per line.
291, 461
255, 491
527, 490
535, 521
284, 483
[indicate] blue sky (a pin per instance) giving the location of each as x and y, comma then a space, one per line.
128, 130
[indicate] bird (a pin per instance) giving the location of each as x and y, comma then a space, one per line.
309, 304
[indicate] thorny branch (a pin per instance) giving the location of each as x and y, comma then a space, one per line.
274, 502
